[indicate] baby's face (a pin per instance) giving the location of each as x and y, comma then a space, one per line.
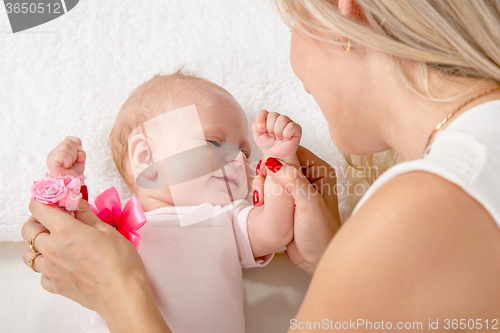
222, 120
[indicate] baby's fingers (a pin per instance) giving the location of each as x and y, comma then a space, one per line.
291, 129
280, 125
272, 117
66, 156
79, 165
67, 150
73, 141
259, 125
260, 118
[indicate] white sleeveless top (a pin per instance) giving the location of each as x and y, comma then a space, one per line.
466, 153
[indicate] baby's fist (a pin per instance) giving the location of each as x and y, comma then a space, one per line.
67, 158
276, 135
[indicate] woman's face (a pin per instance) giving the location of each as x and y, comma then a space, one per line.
341, 83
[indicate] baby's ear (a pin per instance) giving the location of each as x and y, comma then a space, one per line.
140, 156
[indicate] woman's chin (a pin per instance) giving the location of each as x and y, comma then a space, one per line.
348, 147
343, 145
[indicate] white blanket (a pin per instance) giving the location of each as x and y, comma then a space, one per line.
71, 75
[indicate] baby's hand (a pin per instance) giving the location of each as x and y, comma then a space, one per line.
276, 135
67, 158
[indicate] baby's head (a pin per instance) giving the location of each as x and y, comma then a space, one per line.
222, 120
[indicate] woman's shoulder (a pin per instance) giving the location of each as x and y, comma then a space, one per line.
422, 245
425, 198
421, 208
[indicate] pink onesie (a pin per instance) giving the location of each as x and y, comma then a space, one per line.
195, 270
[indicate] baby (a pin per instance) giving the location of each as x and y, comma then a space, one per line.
200, 231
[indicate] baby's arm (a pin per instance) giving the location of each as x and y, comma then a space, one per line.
67, 158
270, 226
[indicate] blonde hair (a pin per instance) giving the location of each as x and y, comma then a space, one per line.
145, 102
456, 38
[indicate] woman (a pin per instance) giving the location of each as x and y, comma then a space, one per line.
422, 249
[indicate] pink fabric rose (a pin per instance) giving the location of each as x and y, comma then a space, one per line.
72, 199
61, 190
49, 191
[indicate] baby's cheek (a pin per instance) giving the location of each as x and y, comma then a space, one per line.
249, 175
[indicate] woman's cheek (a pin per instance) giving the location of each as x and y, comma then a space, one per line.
295, 57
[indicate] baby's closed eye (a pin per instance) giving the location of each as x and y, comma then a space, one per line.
218, 144
215, 143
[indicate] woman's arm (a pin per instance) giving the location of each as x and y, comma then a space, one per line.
89, 262
135, 309
420, 250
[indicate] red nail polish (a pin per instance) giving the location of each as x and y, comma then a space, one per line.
273, 164
255, 197
257, 171
84, 192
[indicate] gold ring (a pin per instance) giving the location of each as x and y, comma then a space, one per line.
32, 262
31, 242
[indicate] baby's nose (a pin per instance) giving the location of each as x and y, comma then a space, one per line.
239, 160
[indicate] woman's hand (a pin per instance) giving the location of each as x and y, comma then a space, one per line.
89, 262
86, 262
316, 217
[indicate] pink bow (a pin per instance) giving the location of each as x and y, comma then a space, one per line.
126, 221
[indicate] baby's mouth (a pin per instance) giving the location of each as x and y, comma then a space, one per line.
227, 180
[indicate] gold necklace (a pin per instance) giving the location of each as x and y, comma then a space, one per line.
427, 148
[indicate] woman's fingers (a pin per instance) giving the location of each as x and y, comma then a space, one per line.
258, 190
260, 170
49, 285
292, 180
37, 259
86, 215
30, 228
50, 216
322, 175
